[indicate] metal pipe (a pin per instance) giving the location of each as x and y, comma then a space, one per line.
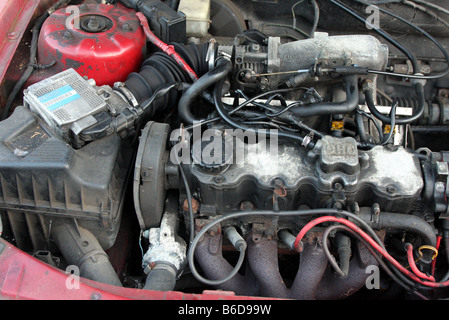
209, 255
263, 261
312, 266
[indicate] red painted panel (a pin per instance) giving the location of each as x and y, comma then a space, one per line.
24, 277
105, 56
14, 19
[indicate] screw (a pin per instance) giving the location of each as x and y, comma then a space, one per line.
93, 24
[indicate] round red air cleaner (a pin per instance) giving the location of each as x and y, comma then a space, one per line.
102, 42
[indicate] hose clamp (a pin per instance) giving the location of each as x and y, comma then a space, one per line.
121, 88
211, 52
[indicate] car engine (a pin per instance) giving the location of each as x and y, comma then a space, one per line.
274, 149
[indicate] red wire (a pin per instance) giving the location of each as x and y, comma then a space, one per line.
411, 262
435, 260
374, 244
165, 47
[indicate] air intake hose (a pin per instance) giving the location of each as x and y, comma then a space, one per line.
161, 69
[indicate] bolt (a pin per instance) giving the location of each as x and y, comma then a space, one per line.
278, 182
83, 7
219, 179
126, 27
391, 189
67, 34
376, 208
195, 205
246, 206
93, 24
338, 186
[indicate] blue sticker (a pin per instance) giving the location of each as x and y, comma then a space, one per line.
59, 97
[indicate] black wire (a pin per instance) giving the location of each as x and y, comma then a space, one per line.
316, 18
223, 114
189, 201
383, 34
240, 106
422, 31
384, 266
32, 65
419, 88
393, 124
235, 215
376, 124
30, 68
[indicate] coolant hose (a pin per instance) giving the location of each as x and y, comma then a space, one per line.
197, 88
419, 88
327, 108
161, 278
407, 222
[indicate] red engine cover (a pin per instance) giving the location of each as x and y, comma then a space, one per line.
99, 41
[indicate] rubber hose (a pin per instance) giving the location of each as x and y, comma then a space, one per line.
204, 82
160, 69
419, 88
161, 278
328, 108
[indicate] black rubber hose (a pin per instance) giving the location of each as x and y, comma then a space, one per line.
224, 115
419, 88
197, 88
383, 34
361, 127
30, 69
410, 223
161, 278
160, 69
32, 65
328, 108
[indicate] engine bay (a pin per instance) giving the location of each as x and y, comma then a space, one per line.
274, 149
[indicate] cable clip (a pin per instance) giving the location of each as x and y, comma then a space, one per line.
435, 251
